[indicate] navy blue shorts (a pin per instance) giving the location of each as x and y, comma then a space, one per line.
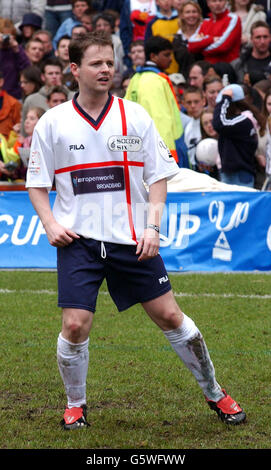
82, 269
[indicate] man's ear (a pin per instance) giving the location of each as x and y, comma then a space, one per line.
153, 57
74, 69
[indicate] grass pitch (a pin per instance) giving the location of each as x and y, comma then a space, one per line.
140, 396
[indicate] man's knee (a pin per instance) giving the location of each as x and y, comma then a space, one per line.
165, 312
172, 319
76, 324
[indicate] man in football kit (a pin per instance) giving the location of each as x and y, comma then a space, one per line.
106, 225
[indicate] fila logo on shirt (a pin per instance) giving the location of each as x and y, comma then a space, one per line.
76, 147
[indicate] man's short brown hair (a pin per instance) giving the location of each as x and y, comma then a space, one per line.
259, 24
78, 47
193, 89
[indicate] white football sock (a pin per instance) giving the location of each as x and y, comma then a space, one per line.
73, 367
189, 344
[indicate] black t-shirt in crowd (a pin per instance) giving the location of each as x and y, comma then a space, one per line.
256, 68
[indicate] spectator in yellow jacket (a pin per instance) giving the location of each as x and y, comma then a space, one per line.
152, 88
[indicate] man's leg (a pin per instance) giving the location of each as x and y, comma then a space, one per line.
190, 346
72, 357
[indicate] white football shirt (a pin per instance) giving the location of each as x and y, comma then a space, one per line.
99, 167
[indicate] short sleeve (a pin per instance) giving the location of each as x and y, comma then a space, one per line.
40, 172
158, 161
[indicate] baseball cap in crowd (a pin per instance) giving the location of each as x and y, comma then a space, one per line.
177, 78
31, 19
237, 92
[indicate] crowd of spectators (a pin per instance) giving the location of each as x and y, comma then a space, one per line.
202, 69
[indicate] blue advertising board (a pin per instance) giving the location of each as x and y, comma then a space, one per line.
212, 231
225, 231
23, 241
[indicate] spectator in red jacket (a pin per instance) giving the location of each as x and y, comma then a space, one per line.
219, 37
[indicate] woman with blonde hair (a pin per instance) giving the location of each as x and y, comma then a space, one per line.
190, 19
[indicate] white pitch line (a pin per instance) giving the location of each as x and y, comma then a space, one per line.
241, 296
28, 291
177, 294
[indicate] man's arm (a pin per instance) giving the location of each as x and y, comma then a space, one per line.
199, 42
57, 235
230, 37
148, 245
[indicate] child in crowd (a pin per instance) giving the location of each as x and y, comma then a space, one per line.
208, 132
212, 86
137, 53
194, 102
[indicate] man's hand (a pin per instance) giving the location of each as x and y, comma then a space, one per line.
58, 235
148, 245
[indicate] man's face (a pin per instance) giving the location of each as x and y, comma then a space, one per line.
194, 104
164, 5
79, 8
196, 77
78, 31
35, 51
260, 39
163, 59
96, 71
46, 41
103, 25
86, 21
52, 75
137, 55
216, 6
56, 98
63, 50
